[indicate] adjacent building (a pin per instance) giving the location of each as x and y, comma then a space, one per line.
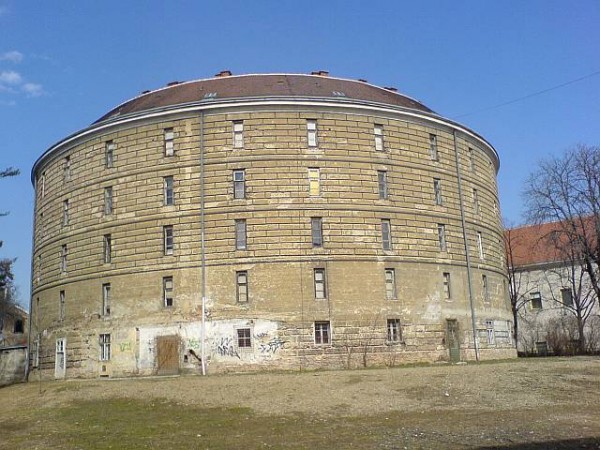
260, 222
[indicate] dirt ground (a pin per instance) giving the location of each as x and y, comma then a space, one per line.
540, 403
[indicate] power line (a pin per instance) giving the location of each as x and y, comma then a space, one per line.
528, 96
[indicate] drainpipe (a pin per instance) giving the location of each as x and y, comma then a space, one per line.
466, 243
28, 352
202, 247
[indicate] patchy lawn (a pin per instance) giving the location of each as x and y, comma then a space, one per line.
525, 404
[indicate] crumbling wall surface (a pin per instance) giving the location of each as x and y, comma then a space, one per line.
13, 361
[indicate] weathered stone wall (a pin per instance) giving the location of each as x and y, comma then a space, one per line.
279, 258
13, 363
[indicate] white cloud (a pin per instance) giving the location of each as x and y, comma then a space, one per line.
33, 89
10, 77
14, 56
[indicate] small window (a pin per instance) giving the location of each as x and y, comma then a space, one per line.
472, 160
394, 331
109, 154
382, 184
433, 147
19, 327
437, 189
536, 300
43, 185
390, 284
475, 201
320, 285
106, 299
311, 129
240, 234
67, 168
485, 287
441, 228
238, 134
480, 245
316, 225
491, 337
105, 347
107, 248
378, 132
39, 268
447, 286
386, 234
239, 184
566, 295
169, 137
61, 306
63, 258
168, 195
244, 338
168, 240
241, 282
322, 333
108, 201
65, 218
168, 292
314, 182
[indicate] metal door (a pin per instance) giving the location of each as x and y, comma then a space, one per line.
167, 355
60, 358
452, 340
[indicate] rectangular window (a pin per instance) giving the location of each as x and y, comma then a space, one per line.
480, 245
61, 306
471, 159
244, 338
168, 240
311, 129
390, 284
475, 201
447, 286
442, 236
43, 185
316, 225
241, 282
65, 217
109, 154
67, 168
382, 184
394, 332
322, 333
240, 234
105, 347
320, 288
168, 292
378, 132
168, 195
536, 300
433, 148
106, 299
239, 183
386, 234
238, 134
63, 258
314, 182
566, 295
108, 201
169, 137
437, 189
489, 326
485, 288
107, 248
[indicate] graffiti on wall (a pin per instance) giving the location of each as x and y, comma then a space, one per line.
272, 346
125, 346
225, 346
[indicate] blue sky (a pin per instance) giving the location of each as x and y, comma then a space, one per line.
63, 64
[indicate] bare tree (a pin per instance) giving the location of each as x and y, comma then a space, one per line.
566, 189
516, 278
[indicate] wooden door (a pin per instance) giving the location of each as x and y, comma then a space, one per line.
167, 355
452, 340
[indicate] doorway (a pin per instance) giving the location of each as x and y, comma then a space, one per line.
60, 358
452, 340
167, 355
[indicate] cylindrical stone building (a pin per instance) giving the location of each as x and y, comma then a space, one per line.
266, 222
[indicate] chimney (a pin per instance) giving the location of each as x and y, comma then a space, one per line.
223, 73
393, 89
173, 83
362, 80
321, 73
